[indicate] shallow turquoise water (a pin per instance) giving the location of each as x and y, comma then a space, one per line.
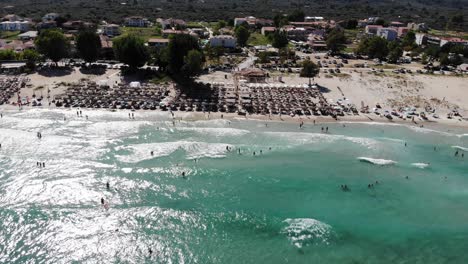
283, 205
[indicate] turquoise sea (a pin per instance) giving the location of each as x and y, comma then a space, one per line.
283, 205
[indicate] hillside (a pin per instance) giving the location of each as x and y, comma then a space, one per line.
436, 13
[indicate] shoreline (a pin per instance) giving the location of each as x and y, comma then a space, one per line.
440, 124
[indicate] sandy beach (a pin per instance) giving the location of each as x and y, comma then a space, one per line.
391, 91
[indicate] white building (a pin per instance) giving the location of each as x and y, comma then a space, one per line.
50, 17
313, 19
172, 23
22, 26
111, 30
136, 21
224, 41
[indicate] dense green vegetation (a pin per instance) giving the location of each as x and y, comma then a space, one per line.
53, 45
439, 14
88, 45
131, 49
257, 39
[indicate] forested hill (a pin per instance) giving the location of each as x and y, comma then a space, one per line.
437, 13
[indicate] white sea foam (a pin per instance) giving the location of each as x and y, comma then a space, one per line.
298, 138
380, 162
460, 148
304, 231
193, 150
215, 131
420, 165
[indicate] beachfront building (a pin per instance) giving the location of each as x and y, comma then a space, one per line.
402, 31
22, 26
457, 41
76, 25
16, 45
372, 30
252, 75
172, 23
268, 30
50, 17
362, 23
317, 41
417, 26
389, 34
29, 35
224, 41
111, 30
158, 43
298, 33
396, 24
12, 17
136, 21
313, 18
252, 21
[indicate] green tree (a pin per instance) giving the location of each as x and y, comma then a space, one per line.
456, 22
220, 24
280, 20
297, 16
52, 44
193, 64
336, 41
31, 57
409, 41
88, 45
178, 48
374, 47
309, 70
7, 54
380, 22
131, 50
424, 59
351, 24
160, 57
242, 35
395, 52
279, 39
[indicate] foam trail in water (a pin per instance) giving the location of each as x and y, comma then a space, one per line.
420, 165
140, 152
460, 148
380, 162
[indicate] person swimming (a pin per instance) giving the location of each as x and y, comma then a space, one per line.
152, 153
107, 185
102, 201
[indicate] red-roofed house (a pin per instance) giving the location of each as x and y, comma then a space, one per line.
268, 30
460, 41
158, 43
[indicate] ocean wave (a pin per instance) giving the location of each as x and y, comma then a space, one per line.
215, 131
420, 165
300, 138
460, 148
305, 231
380, 162
193, 150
